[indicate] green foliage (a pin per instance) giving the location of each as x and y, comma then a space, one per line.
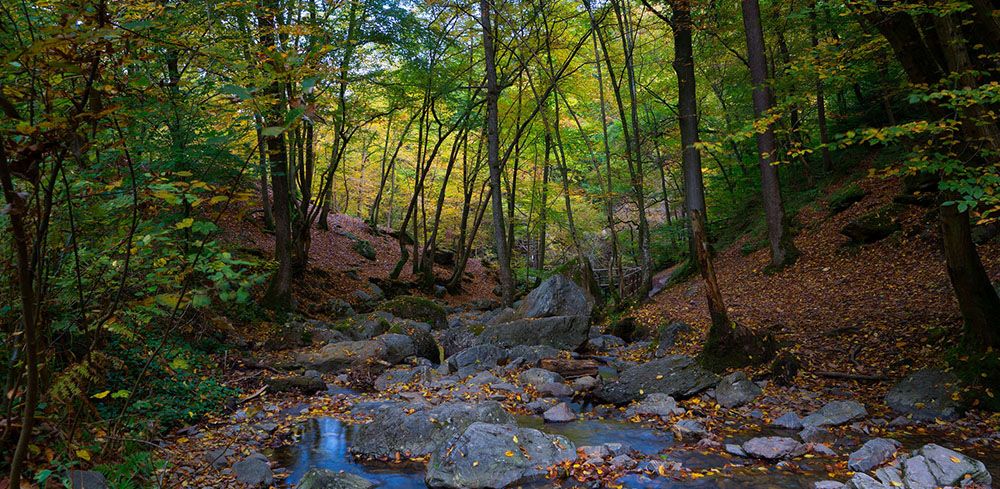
844, 197
416, 309
137, 470
668, 244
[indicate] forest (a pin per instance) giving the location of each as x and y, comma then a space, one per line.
350, 244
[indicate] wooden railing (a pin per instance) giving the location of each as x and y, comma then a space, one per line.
631, 281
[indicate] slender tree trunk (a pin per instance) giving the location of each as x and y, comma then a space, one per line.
783, 252
824, 134
279, 289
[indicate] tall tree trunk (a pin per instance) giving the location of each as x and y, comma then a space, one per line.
279, 290
783, 252
493, 156
824, 134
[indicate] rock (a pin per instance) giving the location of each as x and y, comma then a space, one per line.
828, 485
254, 471
812, 434
835, 413
532, 354
364, 248
560, 413
655, 404
625, 328
556, 296
541, 405
593, 452
87, 479
735, 449
873, 226
862, 481
773, 447
219, 457
416, 375
288, 335
586, 384
328, 479
421, 432
336, 308
538, 376
299, 383
455, 339
785, 368
844, 198
916, 474
822, 449
673, 375
623, 462
873, 453
667, 335
890, 475
604, 342
417, 309
689, 428
483, 378
926, 395
424, 344
562, 332
486, 456
950, 468
555, 389
789, 421
479, 357
735, 390
390, 348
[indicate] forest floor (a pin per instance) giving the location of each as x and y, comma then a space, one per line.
884, 309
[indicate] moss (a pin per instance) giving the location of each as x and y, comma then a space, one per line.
844, 198
365, 249
395, 328
477, 328
417, 309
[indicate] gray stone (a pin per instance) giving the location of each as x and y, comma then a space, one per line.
926, 395
416, 375
735, 449
585, 383
560, 413
835, 413
457, 338
917, 474
592, 452
789, 421
623, 462
689, 427
674, 375
822, 449
812, 434
655, 404
890, 475
486, 456
873, 453
87, 479
390, 348
539, 376
532, 354
667, 337
773, 447
392, 430
735, 390
539, 406
556, 296
328, 479
942, 464
254, 471
479, 357
863, 481
555, 389
604, 342
562, 332
828, 485
617, 449
219, 457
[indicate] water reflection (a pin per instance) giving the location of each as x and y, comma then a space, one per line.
323, 444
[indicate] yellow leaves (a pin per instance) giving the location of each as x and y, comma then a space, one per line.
475, 463
955, 459
515, 439
101, 395
184, 223
83, 454
509, 453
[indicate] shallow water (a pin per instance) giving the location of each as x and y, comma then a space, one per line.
597, 432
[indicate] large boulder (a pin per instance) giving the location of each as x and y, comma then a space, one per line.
479, 357
458, 337
773, 447
735, 390
493, 456
926, 395
678, 376
539, 376
389, 348
562, 332
951, 468
557, 296
873, 453
414, 375
417, 309
254, 471
835, 413
328, 479
393, 431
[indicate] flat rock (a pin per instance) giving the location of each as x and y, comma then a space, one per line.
419, 433
555, 389
773, 447
864, 481
479, 357
416, 375
735, 390
655, 404
328, 479
789, 421
532, 354
950, 468
689, 428
539, 376
835, 413
926, 395
873, 453
254, 471
487, 456
678, 376
561, 332
560, 413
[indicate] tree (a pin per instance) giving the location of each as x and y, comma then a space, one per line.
783, 252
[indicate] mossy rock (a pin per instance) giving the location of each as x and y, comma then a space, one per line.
365, 249
417, 309
423, 341
873, 226
844, 198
